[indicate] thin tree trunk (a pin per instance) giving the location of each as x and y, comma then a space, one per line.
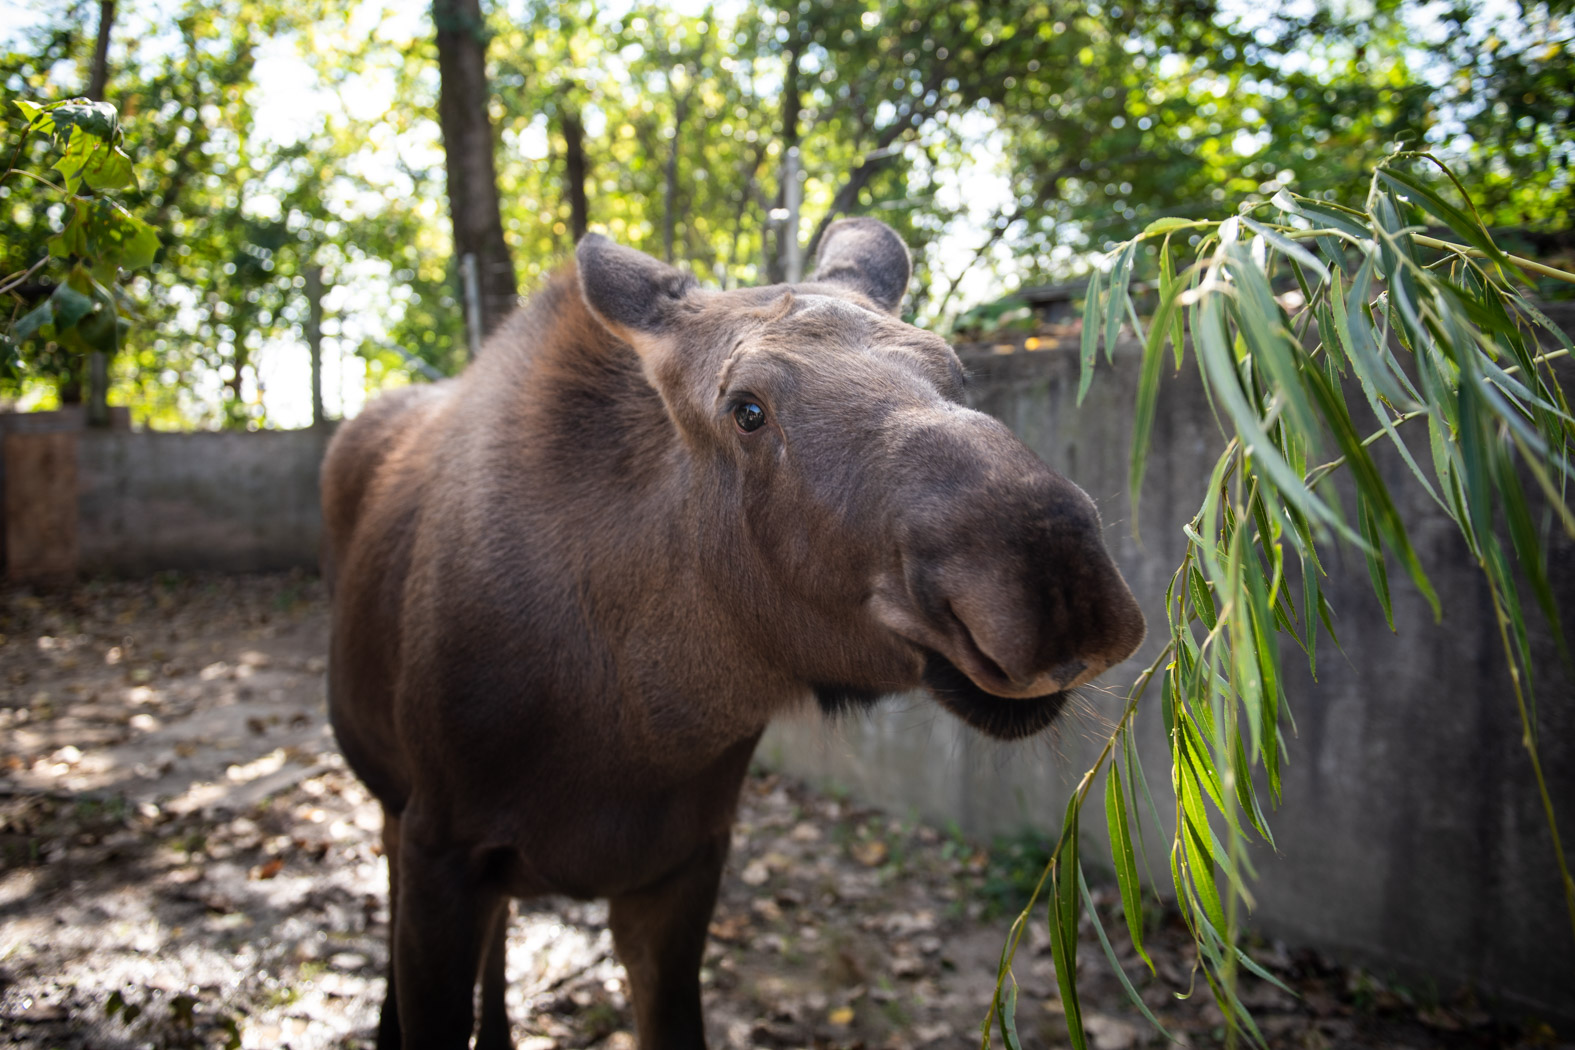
574, 163
314, 337
670, 218
98, 361
100, 72
468, 155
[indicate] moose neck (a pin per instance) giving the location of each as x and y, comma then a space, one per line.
618, 500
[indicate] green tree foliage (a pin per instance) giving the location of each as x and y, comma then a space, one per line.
1446, 360
1016, 137
79, 306
1505, 98
241, 213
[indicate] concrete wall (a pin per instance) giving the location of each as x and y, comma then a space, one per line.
235, 502
1411, 834
119, 502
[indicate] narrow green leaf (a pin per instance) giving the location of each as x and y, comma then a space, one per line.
1265, 720
1375, 557
1385, 518
1236, 1013
1178, 320
1527, 542
1167, 294
1116, 304
1473, 453
1355, 334
1115, 964
1125, 861
1009, 1016
1147, 398
1202, 598
1139, 782
1287, 247
1220, 373
1265, 334
1090, 348
1200, 866
1064, 912
1245, 794
1168, 222
1463, 225
1200, 770
1333, 218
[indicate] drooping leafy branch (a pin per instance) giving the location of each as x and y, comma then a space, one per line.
85, 310
1438, 337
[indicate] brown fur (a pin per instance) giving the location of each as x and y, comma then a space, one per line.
570, 592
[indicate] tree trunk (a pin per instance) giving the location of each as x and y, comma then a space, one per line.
100, 72
314, 337
574, 162
670, 218
468, 159
98, 361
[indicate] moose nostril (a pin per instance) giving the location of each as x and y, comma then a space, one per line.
1067, 673
984, 659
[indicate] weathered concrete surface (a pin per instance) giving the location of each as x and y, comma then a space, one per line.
38, 494
40, 481
1411, 833
235, 502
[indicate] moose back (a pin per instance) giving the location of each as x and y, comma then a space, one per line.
572, 586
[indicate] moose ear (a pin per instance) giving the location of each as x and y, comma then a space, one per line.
628, 290
867, 256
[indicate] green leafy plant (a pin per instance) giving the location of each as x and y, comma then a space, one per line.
86, 309
1439, 338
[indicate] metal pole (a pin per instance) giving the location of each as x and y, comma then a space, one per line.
314, 337
793, 261
471, 282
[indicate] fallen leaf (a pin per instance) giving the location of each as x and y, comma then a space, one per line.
804, 831
730, 928
871, 854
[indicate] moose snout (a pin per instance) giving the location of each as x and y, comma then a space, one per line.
1004, 572
1026, 626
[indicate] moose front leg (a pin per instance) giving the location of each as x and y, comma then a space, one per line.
494, 1033
445, 917
660, 934
388, 1036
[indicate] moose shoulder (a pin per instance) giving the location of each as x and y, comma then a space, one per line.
572, 586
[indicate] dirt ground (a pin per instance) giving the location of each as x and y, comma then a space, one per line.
186, 862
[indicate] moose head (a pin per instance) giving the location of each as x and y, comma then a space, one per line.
870, 530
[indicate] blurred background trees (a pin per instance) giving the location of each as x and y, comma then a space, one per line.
1009, 142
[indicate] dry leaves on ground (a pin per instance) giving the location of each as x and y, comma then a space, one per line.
185, 861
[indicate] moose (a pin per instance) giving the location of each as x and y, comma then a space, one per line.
572, 586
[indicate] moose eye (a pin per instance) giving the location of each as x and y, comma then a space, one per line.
749, 416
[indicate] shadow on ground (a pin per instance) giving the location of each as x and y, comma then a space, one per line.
185, 862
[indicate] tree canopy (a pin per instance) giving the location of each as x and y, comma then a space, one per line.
1010, 142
